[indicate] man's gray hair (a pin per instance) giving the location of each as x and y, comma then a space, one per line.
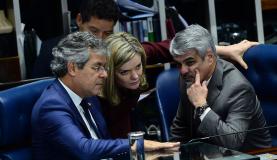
193, 37
74, 48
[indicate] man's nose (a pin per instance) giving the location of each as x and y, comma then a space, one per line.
184, 69
100, 35
104, 74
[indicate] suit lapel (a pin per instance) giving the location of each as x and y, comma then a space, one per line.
215, 84
62, 92
95, 111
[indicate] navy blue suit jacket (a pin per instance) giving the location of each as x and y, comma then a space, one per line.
59, 132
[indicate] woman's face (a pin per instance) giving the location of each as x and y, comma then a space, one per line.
128, 75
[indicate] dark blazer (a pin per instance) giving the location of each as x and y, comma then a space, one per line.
59, 132
234, 107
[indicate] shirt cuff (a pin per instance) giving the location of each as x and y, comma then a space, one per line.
205, 113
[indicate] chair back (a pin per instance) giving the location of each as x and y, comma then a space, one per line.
16, 106
262, 74
167, 95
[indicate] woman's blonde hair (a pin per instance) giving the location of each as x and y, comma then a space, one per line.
123, 48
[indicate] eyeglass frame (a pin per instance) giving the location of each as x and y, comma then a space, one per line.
100, 69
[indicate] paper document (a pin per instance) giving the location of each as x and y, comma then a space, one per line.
267, 156
145, 94
134, 6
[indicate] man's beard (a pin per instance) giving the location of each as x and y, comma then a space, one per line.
188, 80
188, 84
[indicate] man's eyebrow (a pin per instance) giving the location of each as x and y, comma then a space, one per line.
92, 27
188, 59
98, 64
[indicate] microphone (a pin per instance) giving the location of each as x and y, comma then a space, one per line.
220, 135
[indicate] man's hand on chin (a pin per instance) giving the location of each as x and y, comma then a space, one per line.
197, 92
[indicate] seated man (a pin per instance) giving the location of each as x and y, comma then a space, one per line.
215, 97
65, 122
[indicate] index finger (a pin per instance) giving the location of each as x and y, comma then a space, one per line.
197, 77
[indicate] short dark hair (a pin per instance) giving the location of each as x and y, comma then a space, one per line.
102, 9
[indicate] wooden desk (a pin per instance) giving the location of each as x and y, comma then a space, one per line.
272, 150
269, 4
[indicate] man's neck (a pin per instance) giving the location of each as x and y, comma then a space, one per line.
67, 81
210, 74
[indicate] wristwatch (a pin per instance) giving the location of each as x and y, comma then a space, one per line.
200, 110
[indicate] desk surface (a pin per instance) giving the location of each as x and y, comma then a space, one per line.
200, 151
272, 150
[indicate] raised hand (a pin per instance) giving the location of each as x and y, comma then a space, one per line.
197, 92
235, 52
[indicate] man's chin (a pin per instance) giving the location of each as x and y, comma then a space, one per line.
188, 84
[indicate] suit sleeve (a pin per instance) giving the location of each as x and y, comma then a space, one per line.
63, 134
240, 106
157, 52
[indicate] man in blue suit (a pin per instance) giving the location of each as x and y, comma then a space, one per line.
66, 120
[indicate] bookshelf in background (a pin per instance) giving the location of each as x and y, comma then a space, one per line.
144, 29
147, 22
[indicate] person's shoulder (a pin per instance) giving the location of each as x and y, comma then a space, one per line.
49, 44
53, 41
228, 68
52, 94
233, 77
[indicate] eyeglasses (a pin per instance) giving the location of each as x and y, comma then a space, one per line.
100, 69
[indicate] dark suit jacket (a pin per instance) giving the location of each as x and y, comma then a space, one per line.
59, 132
234, 107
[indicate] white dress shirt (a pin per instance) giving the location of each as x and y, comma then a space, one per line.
77, 100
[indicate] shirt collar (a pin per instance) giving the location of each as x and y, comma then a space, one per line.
75, 98
208, 81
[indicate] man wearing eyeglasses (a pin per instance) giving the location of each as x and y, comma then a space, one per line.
66, 120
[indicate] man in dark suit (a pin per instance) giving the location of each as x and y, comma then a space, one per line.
215, 97
67, 123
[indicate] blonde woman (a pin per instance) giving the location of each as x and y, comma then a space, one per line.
126, 80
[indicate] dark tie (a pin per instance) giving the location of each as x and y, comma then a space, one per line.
86, 105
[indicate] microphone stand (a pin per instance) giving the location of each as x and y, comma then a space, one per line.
219, 135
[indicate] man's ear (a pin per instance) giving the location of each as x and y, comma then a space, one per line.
79, 20
210, 56
71, 68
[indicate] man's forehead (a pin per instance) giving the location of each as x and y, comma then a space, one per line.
104, 24
187, 55
97, 54
190, 52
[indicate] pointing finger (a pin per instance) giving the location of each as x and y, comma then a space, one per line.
197, 77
